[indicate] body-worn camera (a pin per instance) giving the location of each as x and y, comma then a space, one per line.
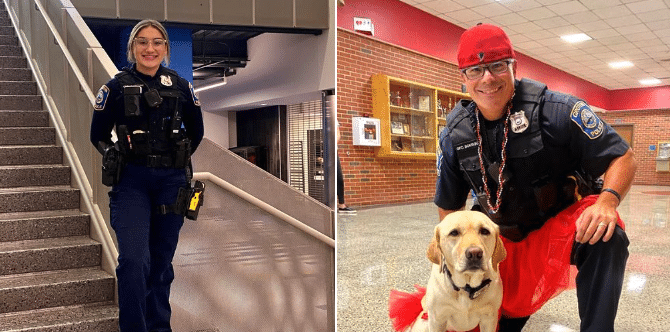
131, 100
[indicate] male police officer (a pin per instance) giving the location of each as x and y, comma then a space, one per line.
159, 124
526, 151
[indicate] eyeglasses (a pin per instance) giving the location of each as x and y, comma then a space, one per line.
144, 43
495, 68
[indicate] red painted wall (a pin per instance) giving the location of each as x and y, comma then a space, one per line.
403, 25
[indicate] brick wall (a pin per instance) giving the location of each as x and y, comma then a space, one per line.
371, 181
649, 128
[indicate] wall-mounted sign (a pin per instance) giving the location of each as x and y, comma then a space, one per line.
364, 25
365, 131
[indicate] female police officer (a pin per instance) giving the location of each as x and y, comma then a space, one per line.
159, 124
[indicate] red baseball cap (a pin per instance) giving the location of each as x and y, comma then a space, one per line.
483, 43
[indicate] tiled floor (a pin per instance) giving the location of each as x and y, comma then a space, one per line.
383, 248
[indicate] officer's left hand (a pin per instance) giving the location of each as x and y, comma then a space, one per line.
597, 221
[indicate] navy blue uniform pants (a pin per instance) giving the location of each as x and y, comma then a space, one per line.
599, 282
147, 242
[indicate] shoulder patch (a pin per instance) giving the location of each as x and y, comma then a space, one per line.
196, 101
101, 98
587, 120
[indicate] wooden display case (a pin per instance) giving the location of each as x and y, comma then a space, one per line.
411, 116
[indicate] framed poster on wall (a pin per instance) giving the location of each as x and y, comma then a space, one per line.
365, 131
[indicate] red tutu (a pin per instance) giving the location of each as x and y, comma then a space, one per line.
405, 308
538, 268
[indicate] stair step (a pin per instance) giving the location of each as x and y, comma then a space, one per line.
27, 135
24, 118
7, 30
13, 62
48, 254
38, 198
34, 175
17, 87
20, 102
11, 50
16, 74
99, 317
54, 289
43, 224
9, 40
30, 155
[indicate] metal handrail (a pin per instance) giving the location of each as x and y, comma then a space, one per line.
207, 176
78, 171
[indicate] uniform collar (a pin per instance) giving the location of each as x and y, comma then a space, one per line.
133, 70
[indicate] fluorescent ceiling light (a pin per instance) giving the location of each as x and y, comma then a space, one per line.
576, 38
621, 64
213, 85
650, 81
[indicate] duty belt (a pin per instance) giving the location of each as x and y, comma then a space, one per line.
156, 161
159, 161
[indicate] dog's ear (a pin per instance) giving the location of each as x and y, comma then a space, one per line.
434, 253
499, 253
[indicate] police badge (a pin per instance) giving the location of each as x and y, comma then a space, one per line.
519, 122
166, 80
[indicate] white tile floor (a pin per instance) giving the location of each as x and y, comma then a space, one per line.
383, 248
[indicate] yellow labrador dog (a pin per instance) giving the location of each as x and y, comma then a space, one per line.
464, 289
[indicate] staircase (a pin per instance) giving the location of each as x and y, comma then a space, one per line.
50, 274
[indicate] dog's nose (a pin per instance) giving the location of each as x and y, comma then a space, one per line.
474, 253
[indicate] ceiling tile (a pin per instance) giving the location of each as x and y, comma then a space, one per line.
509, 19
646, 6
566, 8
472, 3
528, 45
552, 22
542, 34
614, 11
658, 25
441, 6
653, 16
525, 27
467, 15
596, 4
595, 25
566, 30
581, 17
618, 22
604, 33
492, 9
551, 2
537, 13
633, 29
515, 5
621, 46
642, 36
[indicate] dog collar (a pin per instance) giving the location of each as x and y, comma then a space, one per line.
473, 292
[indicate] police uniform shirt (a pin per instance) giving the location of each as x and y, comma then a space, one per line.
566, 124
110, 111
